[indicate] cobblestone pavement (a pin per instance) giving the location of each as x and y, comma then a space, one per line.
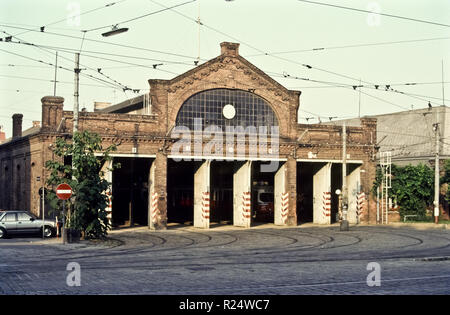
227, 260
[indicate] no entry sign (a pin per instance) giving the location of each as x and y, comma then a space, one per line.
63, 191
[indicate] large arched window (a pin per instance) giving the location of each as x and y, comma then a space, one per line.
226, 107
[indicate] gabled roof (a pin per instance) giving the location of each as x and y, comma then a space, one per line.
229, 50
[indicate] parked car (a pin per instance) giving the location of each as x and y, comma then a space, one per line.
22, 222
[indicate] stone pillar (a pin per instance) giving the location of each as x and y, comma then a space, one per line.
369, 211
354, 194
157, 201
202, 189
17, 125
52, 112
291, 189
242, 194
322, 195
108, 175
281, 196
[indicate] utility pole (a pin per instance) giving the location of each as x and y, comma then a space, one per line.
199, 30
76, 94
56, 68
43, 209
436, 160
436, 170
359, 100
344, 222
75, 112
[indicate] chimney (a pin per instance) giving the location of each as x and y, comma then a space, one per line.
229, 49
17, 125
52, 112
2, 134
36, 123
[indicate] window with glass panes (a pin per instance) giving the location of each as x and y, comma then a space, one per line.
250, 110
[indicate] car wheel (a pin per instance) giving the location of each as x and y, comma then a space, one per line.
48, 231
2, 233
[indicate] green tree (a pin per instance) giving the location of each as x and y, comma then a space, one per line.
88, 212
446, 178
412, 188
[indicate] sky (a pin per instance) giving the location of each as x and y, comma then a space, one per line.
335, 56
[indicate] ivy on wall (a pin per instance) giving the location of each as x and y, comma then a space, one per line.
445, 180
412, 188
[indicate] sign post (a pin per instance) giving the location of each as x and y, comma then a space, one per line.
64, 192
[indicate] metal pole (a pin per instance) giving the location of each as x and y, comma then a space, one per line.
378, 204
359, 100
76, 94
43, 211
344, 222
64, 236
436, 161
56, 68
436, 170
75, 114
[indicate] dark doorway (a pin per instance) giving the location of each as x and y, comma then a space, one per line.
262, 194
130, 192
222, 192
305, 175
336, 183
180, 191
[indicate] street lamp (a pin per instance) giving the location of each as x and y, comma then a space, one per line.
114, 31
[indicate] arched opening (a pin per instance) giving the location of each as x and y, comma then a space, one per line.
226, 108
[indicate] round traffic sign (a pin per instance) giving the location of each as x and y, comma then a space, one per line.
63, 191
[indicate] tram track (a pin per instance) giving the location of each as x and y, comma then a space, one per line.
288, 254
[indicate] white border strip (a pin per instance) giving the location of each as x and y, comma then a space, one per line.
136, 155
330, 161
224, 158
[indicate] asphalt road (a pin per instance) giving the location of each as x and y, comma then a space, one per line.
226, 260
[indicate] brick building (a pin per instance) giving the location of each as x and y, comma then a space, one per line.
215, 144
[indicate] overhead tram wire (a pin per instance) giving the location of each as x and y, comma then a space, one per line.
348, 86
208, 27
117, 61
424, 98
111, 85
371, 12
281, 58
274, 56
106, 43
44, 80
308, 66
305, 65
372, 96
319, 49
70, 50
141, 16
133, 19
153, 66
65, 19
122, 86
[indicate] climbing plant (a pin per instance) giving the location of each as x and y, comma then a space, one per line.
412, 188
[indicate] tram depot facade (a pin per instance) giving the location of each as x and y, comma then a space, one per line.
180, 162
